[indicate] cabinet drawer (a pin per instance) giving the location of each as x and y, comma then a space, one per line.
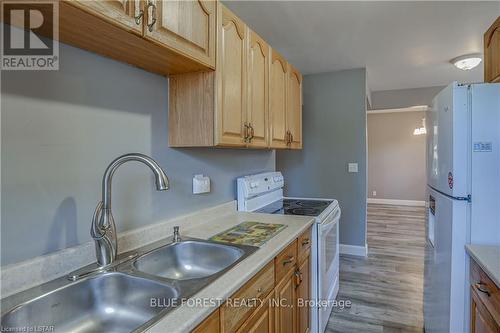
234, 314
304, 243
485, 290
285, 261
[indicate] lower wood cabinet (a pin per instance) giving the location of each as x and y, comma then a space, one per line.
286, 310
262, 320
303, 292
209, 325
481, 319
485, 302
272, 296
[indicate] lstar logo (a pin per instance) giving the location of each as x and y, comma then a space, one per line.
23, 47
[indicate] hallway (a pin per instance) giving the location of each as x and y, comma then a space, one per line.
386, 288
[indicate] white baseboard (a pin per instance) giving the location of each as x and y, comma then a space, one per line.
396, 202
354, 250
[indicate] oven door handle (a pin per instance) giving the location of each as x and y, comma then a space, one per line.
331, 219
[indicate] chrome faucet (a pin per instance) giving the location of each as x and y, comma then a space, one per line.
103, 229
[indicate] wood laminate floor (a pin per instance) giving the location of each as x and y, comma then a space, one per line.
385, 288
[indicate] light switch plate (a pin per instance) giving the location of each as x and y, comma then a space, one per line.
352, 167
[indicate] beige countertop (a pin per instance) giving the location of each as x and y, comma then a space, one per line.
188, 315
488, 258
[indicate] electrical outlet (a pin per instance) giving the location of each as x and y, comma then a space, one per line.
201, 184
374, 193
352, 167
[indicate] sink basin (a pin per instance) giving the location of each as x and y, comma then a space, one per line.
109, 302
189, 259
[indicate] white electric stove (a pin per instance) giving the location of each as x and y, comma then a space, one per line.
263, 193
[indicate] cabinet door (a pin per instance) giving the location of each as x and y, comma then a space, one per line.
492, 53
258, 91
209, 325
122, 13
231, 79
261, 321
304, 294
285, 313
278, 78
185, 26
294, 107
481, 319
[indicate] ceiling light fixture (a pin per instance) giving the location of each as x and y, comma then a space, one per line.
467, 62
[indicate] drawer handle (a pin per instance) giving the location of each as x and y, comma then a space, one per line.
482, 288
288, 261
305, 242
298, 278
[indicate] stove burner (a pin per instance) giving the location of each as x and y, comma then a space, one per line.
303, 211
312, 203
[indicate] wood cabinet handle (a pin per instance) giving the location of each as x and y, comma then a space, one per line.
153, 15
288, 138
298, 278
482, 288
305, 242
252, 132
138, 17
245, 132
289, 260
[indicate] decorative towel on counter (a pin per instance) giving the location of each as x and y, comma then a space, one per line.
249, 233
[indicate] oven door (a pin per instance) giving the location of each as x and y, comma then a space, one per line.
328, 263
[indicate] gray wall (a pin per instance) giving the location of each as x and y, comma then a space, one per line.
334, 131
396, 157
60, 129
402, 98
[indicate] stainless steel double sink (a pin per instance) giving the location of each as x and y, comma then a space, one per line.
128, 297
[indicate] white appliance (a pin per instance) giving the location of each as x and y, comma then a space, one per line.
263, 193
463, 178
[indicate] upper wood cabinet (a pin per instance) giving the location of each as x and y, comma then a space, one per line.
492, 53
277, 100
127, 14
119, 30
256, 95
257, 120
231, 79
294, 108
186, 26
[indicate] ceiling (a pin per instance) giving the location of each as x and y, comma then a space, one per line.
402, 44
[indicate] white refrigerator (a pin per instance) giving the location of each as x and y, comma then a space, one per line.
463, 183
